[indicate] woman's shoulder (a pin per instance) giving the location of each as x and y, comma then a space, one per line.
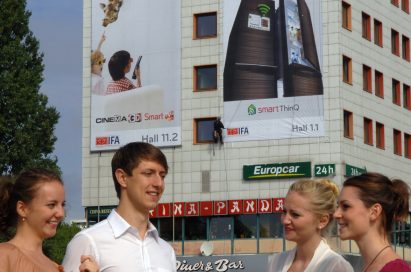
8, 248
396, 265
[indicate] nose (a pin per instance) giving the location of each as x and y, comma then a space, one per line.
158, 180
60, 212
285, 219
337, 213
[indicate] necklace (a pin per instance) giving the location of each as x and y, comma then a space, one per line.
376, 256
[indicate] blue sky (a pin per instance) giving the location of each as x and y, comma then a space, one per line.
57, 24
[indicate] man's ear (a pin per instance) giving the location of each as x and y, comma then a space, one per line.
375, 211
121, 177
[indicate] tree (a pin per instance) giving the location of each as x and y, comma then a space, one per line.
26, 122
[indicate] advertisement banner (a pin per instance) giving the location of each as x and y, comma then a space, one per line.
273, 85
135, 73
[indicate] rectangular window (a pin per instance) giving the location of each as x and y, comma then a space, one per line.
346, 15
395, 42
347, 70
195, 228
221, 227
378, 33
165, 228
407, 145
203, 130
405, 5
397, 142
270, 225
366, 26
205, 77
205, 25
368, 139
245, 226
380, 135
406, 96
405, 48
348, 125
395, 2
379, 84
396, 92
366, 79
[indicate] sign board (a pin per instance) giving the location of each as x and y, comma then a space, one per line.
351, 171
277, 171
324, 170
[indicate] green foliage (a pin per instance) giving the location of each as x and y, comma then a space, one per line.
55, 247
26, 122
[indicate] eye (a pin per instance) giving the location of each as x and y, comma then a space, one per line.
51, 205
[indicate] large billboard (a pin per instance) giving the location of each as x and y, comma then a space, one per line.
273, 85
135, 73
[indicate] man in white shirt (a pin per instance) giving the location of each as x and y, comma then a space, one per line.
126, 240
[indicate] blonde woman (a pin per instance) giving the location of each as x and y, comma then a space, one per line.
308, 212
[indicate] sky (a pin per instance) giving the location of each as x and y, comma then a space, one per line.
58, 25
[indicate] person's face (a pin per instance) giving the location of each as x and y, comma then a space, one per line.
352, 215
46, 210
145, 186
300, 223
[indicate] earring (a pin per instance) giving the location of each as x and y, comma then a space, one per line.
23, 219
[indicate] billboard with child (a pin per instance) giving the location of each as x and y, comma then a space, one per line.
135, 73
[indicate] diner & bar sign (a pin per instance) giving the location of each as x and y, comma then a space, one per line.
277, 170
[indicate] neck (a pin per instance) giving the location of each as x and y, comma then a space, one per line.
26, 240
134, 217
305, 250
369, 252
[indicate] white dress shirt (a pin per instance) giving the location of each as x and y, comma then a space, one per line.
117, 246
324, 260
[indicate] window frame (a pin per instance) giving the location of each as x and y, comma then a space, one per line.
397, 146
379, 83
378, 35
195, 130
405, 6
196, 70
395, 3
379, 135
347, 69
406, 90
407, 145
196, 16
405, 48
346, 20
368, 132
396, 92
348, 125
366, 26
367, 78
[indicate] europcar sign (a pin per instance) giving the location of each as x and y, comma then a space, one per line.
277, 171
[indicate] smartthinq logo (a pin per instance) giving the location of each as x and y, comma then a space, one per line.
252, 109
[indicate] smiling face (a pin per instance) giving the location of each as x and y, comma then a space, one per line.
145, 186
46, 210
300, 223
352, 216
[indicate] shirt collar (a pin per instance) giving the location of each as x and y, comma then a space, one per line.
120, 226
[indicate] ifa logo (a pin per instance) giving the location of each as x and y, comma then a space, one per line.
237, 131
108, 140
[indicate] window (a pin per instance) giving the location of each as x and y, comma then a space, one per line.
366, 78
406, 96
366, 26
195, 228
205, 77
203, 132
395, 42
396, 92
379, 84
346, 15
380, 135
221, 227
205, 25
378, 33
245, 226
348, 125
395, 2
407, 145
270, 225
165, 228
405, 48
397, 142
347, 70
405, 5
368, 131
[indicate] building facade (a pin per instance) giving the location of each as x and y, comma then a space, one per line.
231, 194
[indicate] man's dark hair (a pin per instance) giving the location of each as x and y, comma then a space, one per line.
118, 62
129, 157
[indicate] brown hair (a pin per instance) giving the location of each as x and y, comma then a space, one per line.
323, 195
129, 157
23, 189
392, 195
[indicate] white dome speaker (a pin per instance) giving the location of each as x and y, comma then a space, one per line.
206, 248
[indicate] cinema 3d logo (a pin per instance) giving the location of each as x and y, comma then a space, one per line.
107, 140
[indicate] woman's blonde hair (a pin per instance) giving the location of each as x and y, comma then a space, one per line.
323, 194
